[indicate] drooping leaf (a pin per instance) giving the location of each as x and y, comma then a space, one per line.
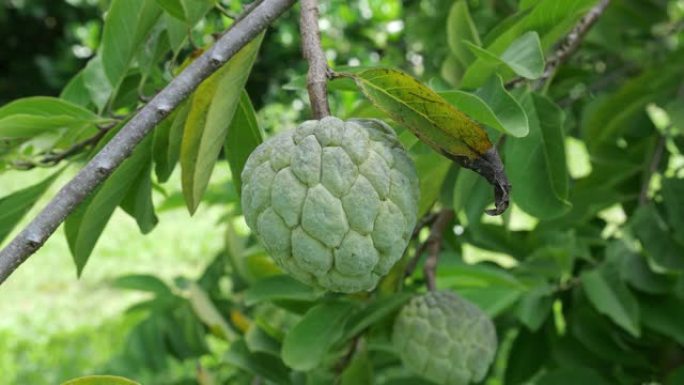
196, 9
536, 164
493, 106
244, 135
97, 83
373, 313
85, 224
611, 297
534, 307
126, 26
461, 29
258, 340
13, 207
520, 368
431, 169
434, 121
307, 343
142, 282
138, 202
208, 313
168, 137
100, 380
212, 108
173, 8
76, 91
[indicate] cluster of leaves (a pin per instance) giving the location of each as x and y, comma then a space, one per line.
583, 276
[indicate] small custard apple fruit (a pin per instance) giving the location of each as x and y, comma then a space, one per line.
445, 338
333, 202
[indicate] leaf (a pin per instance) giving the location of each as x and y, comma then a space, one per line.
523, 57
138, 202
536, 164
101, 380
520, 368
244, 135
373, 313
664, 315
656, 238
167, 143
359, 371
196, 9
279, 287
13, 207
431, 169
492, 300
534, 307
173, 8
96, 82
125, 29
75, 91
84, 225
434, 121
143, 282
571, 376
212, 108
461, 29
673, 199
611, 297
258, 341
207, 312
27, 117
494, 106
550, 19
306, 344
260, 364
635, 270
431, 118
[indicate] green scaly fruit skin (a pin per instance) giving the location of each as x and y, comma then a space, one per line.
445, 339
333, 202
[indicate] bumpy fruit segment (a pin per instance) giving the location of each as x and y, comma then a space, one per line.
333, 202
445, 339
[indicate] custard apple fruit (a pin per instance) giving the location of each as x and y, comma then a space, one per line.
445, 338
333, 202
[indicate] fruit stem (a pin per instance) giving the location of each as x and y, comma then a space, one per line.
317, 78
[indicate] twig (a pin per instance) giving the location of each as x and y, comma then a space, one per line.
567, 46
652, 168
317, 78
122, 145
427, 220
434, 246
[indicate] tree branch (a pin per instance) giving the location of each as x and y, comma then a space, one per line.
121, 146
568, 45
434, 246
317, 78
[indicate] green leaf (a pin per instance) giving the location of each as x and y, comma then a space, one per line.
492, 300
138, 202
673, 199
244, 135
142, 282
571, 376
212, 108
550, 19
196, 9
258, 341
13, 207
664, 315
359, 371
656, 238
494, 106
461, 29
96, 82
84, 225
523, 57
431, 118
520, 368
32, 116
260, 364
279, 287
101, 380
431, 169
534, 307
76, 91
635, 270
373, 313
207, 312
126, 27
307, 343
610, 297
536, 164
173, 8
167, 143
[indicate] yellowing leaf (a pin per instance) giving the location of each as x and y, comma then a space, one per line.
430, 117
212, 108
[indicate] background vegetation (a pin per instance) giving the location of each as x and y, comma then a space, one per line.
583, 275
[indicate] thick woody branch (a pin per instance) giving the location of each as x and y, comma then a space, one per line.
121, 146
317, 78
